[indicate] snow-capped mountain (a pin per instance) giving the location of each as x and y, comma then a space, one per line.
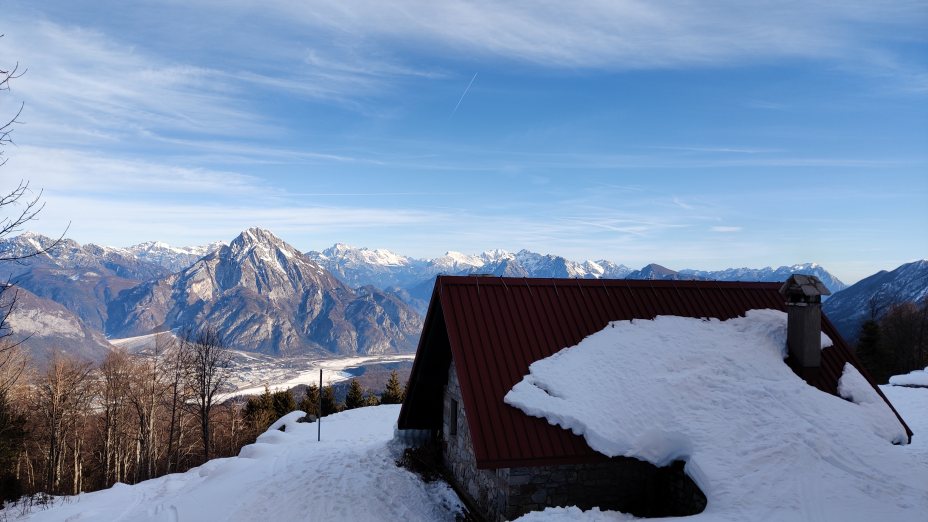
767, 274
367, 266
173, 259
264, 295
68, 254
456, 262
385, 269
412, 279
82, 278
849, 308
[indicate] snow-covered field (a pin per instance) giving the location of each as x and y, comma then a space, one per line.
285, 476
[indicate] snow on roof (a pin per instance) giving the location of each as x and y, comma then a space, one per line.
760, 442
915, 378
913, 403
854, 387
284, 476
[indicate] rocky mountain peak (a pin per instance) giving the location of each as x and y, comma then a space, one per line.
338, 249
262, 246
654, 271
256, 236
351, 256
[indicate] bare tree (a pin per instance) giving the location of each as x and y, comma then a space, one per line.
13, 363
62, 395
209, 369
147, 388
177, 395
115, 375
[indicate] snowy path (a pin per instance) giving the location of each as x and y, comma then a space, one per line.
284, 476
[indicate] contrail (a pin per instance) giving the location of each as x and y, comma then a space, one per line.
463, 95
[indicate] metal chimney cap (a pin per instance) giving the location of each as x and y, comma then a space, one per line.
804, 286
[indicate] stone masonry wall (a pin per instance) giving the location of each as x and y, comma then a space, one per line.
624, 484
486, 487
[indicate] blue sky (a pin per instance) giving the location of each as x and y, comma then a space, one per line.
696, 135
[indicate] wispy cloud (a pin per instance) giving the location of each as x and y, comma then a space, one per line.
612, 34
86, 86
725, 229
720, 150
68, 171
129, 221
82, 85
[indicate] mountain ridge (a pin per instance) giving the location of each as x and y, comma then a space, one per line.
849, 308
412, 279
266, 296
269, 296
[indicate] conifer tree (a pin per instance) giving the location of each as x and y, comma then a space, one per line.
871, 352
393, 393
310, 401
355, 397
329, 406
259, 411
282, 403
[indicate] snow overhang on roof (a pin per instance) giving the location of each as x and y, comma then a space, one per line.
494, 328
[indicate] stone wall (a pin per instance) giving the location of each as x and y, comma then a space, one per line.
623, 484
486, 488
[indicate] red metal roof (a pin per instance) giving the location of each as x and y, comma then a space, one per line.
494, 328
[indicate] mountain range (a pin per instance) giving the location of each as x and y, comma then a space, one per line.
412, 279
264, 295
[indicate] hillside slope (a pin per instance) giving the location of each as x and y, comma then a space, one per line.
849, 308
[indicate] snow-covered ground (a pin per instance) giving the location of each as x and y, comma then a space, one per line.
285, 476
759, 442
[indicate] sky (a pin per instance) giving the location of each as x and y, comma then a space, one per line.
691, 134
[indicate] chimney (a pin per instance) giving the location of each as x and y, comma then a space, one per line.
804, 321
